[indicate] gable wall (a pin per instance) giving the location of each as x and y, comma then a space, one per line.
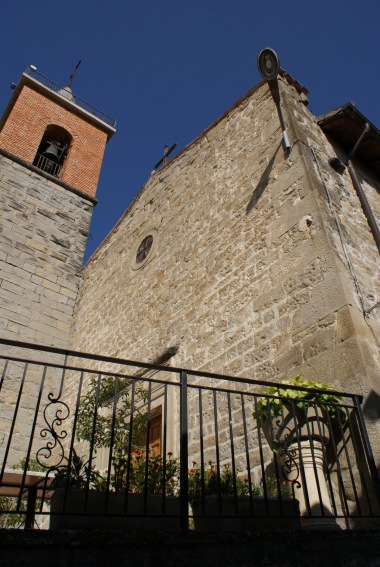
237, 280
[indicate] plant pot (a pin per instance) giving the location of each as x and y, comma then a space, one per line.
310, 487
298, 445
287, 428
78, 509
230, 514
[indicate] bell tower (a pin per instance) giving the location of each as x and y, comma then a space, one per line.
51, 150
45, 125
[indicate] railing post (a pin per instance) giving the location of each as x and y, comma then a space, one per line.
367, 448
184, 455
31, 507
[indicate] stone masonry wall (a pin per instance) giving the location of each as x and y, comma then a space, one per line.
43, 236
239, 278
353, 353
245, 275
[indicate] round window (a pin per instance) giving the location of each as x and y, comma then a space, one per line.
144, 249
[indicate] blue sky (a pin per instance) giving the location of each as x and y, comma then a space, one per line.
167, 69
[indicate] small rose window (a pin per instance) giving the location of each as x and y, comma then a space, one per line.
144, 249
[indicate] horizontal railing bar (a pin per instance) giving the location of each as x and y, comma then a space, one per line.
140, 378
87, 370
279, 397
171, 369
190, 386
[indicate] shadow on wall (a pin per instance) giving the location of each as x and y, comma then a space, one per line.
366, 510
262, 184
371, 406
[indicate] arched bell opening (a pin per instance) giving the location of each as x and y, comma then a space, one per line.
53, 150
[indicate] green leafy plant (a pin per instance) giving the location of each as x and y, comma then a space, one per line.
211, 483
33, 465
9, 518
77, 474
275, 486
107, 406
277, 399
105, 419
137, 474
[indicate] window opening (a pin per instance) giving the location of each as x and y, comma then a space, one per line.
154, 433
144, 249
53, 150
155, 428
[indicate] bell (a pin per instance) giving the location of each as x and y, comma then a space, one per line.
52, 152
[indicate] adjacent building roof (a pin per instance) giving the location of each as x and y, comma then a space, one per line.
344, 125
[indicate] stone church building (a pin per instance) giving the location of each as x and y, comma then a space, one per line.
239, 256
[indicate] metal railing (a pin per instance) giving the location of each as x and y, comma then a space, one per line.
47, 165
92, 441
76, 99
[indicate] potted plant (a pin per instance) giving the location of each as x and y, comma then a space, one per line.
308, 409
298, 423
138, 485
85, 497
77, 474
222, 501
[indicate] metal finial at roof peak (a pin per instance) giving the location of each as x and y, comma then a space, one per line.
66, 91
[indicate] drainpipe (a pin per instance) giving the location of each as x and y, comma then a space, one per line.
359, 190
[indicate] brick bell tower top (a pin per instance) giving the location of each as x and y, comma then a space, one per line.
49, 128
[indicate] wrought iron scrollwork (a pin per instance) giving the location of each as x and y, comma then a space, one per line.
284, 447
56, 413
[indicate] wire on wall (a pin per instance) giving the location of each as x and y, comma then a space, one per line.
366, 312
